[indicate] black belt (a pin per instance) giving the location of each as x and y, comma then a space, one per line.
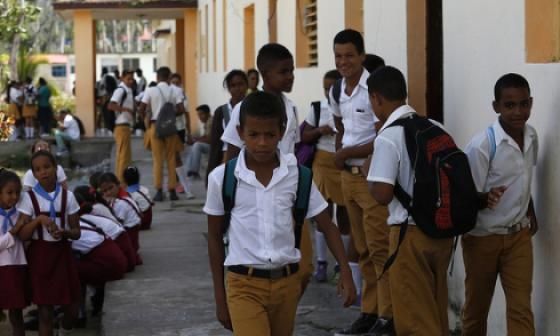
124, 124
271, 274
354, 170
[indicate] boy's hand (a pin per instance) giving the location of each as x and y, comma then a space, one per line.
364, 169
340, 158
222, 313
494, 196
326, 130
346, 288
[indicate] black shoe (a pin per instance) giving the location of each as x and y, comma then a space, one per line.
80, 323
361, 326
97, 301
31, 324
159, 196
383, 327
173, 195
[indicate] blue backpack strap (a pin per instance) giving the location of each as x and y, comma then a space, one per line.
492, 143
305, 181
229, 187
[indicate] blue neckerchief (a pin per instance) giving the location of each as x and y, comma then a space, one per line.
7, 219
41, 192
133, 188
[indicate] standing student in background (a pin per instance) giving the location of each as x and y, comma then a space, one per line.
183, 125
29, 112
325, 175
141, 83
236, 83
254, 78
45, 110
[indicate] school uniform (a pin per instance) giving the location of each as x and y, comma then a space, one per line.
262, 240
29, 181
325, 174
181, 121
217, 146
287, 145
123, 124
52, 268
141, 195
367, 218
29, 102
14, 292
500, 244
99, 258
14, 108
162, 149
127, 210
418, 277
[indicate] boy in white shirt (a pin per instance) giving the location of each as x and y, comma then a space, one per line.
502, 159
68, 130
418, 276
122, 103
263, 284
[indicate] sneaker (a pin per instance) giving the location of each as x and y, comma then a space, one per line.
336, 274
189, 195
179, 189
159, 196
321, 272
360, 327
383, 327
173, 195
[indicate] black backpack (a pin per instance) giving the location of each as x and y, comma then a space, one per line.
80, 126
445, 201
165, 122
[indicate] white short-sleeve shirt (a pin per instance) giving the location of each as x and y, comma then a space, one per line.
71, 127
26, 207
15, 93
326, 142
88, 239
158, 95
261, 229
391, 163
357, 116
289, 140
124, 117
181, 121
143, 203
29, 181
124, 211
510, 167
111, 228
11, 248
101, 210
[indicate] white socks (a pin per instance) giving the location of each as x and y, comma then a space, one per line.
29, 132
320, 246
356, 276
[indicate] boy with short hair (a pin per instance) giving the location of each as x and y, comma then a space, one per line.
122, 104
201, 144
418, 275
68, 130
502, 159
355, 122
264, 286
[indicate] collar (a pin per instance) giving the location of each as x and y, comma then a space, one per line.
362, 82
280, 172
500, 135
399, 113
163, 84
123, 85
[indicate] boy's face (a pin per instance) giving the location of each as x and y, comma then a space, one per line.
514, 108
175, 81
280, 76
253, 80
327, 83
348, 60
128, 80
203, 116
261, 137
378, 106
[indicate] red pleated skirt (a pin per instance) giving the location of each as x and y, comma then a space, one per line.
53, 273
134, 234
123, 242
104, 263
14, 287
146, 219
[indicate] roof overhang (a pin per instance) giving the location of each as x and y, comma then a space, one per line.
126, 9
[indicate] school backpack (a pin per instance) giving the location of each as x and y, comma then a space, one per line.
305, 152
336, 90
445, 201
80, 126
299, 210
165, 122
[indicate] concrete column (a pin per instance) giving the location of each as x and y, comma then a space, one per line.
180, 47
190, 61
416, 50
84, 47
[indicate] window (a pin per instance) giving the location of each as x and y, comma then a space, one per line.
131, 63
58, 70
306, 33
542, 32
354, 15
249, 34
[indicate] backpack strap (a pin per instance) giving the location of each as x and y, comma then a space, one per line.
95, 227
132, 206
37, 211
316, 112
337, 90
226, 113
63, 204
229, 188
301, 205
492, 144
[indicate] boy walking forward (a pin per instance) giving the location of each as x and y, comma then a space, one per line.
502, 159
263, 285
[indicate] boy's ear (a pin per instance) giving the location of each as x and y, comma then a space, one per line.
495, 105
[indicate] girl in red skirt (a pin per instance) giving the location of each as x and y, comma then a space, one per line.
124, 207
53, 273
14, 294
140, 194
112, 228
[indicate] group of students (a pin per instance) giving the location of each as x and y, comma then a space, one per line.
55, 243
28, 103
361, 163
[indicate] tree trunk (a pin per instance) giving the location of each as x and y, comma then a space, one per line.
13, 57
